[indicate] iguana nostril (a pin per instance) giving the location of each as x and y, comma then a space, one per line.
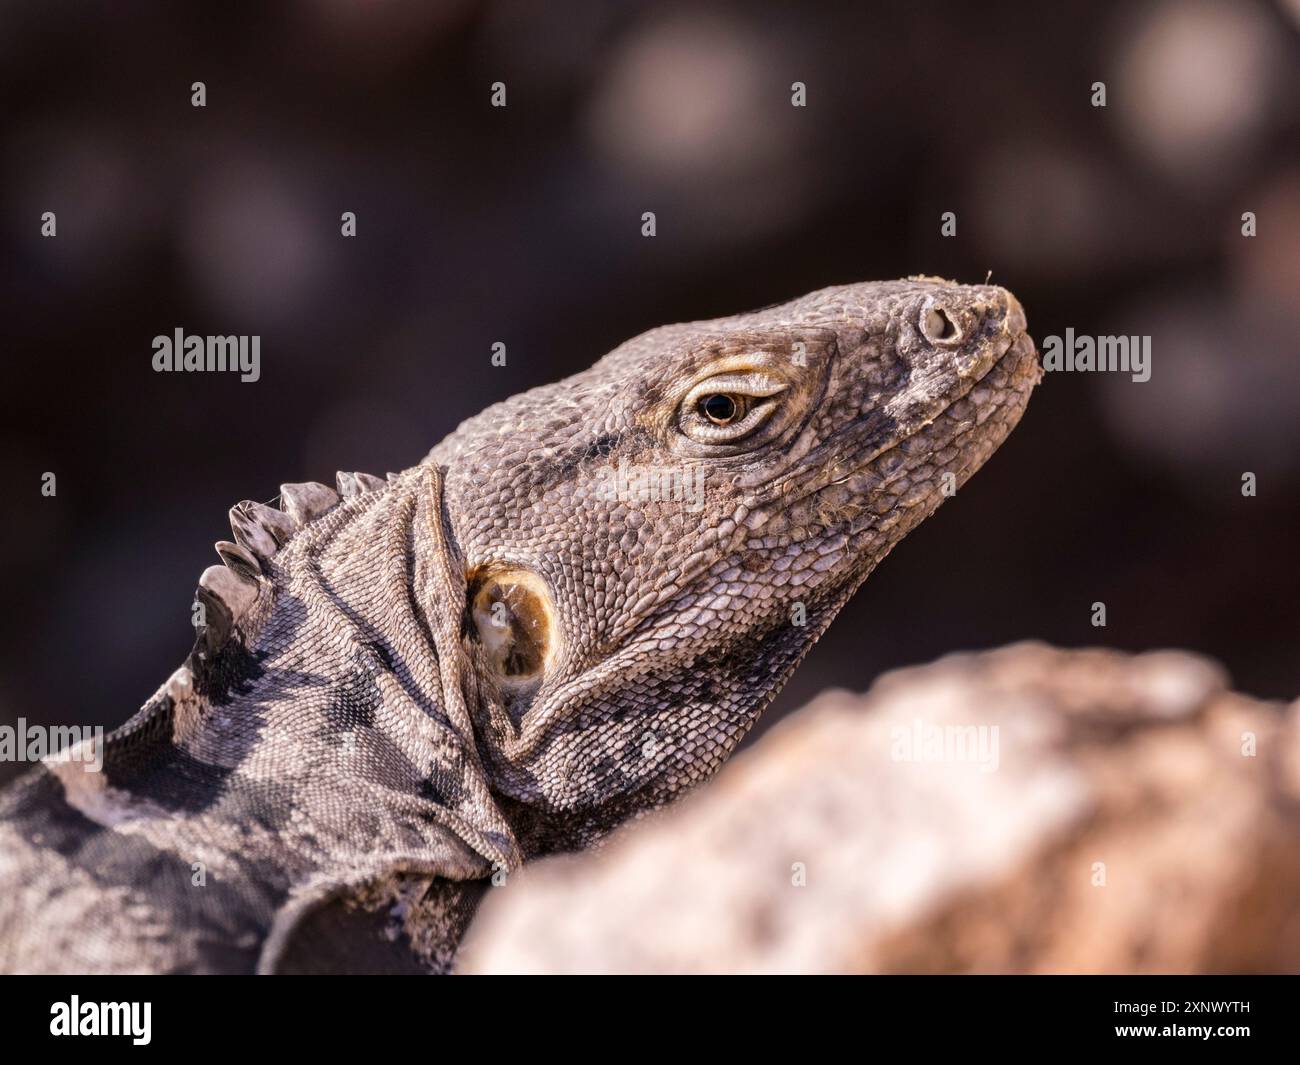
937, 324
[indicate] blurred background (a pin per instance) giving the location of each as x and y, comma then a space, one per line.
478, 224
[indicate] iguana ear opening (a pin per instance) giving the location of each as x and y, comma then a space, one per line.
514, 618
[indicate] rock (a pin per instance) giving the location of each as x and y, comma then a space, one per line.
1022, 810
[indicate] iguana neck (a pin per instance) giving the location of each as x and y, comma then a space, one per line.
325, 743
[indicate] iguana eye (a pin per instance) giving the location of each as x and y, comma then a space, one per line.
722, 408
727, 407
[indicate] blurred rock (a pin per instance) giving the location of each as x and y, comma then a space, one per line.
256, 243
351, 37
1021, 810
1197, 83
693, 103
1221, 399
86, 174
692, 96
1266, 267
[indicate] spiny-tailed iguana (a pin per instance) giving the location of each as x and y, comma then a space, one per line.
570, 611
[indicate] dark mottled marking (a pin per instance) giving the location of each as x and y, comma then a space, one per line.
602, 446
169, 777
39, 802
353, 704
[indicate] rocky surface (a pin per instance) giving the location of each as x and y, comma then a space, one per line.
1022, 810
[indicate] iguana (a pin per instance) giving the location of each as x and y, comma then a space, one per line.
571, 610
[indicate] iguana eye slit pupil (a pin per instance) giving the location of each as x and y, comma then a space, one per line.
720, 408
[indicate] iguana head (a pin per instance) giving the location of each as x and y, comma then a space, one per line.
653, 544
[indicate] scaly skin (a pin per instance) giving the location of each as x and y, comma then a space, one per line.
510, 648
